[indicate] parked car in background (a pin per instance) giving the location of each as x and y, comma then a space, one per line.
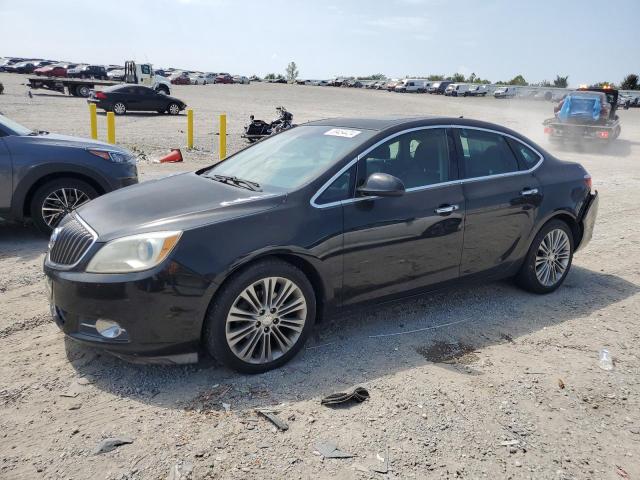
457, 90
505, 92
88, 71
44, 176
477, 91
51, 71
121, 99
21, 67
197, 79
411, 86
180, 78
241, 79
8, 62
255, 78
210, 77
116, 74
440, 87
243, 257
223, 78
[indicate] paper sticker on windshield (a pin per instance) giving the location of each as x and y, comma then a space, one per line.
342, 132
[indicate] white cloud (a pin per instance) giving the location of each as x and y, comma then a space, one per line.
399, 23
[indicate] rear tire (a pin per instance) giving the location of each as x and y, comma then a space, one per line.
272, 337
119, 108
548, 260
64, 194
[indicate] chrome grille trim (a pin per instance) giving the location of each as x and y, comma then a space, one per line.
74, 241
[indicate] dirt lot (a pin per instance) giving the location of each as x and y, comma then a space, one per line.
498, 383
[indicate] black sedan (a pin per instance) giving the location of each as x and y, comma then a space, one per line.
243, 257
123, 98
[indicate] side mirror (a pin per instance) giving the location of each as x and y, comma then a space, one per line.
381, 185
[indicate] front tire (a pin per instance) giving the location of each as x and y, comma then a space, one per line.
261, 317
52, 201
173, 109
549, 259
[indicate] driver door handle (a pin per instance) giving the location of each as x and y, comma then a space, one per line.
527, 192
446, 209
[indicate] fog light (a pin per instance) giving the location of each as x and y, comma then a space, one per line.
109, 328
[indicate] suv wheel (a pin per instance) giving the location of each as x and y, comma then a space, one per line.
53, 200
549, 259
261, 317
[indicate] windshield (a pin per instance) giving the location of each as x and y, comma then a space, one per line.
292, 158
14, 127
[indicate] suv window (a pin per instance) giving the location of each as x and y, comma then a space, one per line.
339, 190
485, 153
527, 157
418, 158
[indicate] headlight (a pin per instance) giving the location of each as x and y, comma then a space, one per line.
116, 157
134, 253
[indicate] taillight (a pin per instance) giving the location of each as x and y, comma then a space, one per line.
101, 96
603, 134
587, 181
548, 130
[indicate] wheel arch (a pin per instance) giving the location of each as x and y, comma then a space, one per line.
25, 203
567, 217
305, 265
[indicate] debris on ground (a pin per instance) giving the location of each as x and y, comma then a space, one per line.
359, 395
605, 362
109, 444
181, 471
273, 418
329, 449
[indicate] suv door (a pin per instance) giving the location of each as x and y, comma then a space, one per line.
502, 197
6, 175
396, 244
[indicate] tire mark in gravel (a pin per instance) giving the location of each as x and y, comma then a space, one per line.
29, 324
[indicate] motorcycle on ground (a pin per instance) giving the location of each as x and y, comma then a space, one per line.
259, 129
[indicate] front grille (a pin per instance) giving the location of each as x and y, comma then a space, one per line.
72, 242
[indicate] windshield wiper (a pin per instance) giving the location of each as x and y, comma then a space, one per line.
235, 181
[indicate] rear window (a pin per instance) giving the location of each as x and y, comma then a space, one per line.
485, 153
527, 157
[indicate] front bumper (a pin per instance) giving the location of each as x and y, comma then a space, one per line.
161, 311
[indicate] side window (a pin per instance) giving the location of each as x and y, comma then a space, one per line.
339, 190
145, 69
418, 158
485, 153
527, 157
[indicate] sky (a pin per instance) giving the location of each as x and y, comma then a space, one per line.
589, 41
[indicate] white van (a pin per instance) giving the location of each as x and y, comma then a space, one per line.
457, 90
412, 86
505, 92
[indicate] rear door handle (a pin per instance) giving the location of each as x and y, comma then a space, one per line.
446, 209
527, 192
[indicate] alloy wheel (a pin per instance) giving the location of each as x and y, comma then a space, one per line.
60, 202
552, 257
266, 320
174, 109
119, 108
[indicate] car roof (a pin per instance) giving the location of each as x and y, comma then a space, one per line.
400, 122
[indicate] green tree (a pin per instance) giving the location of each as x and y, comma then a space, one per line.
604, 84
457, 77
518, 80
435, 78
472, 78
292, 72
561, 82
630, 82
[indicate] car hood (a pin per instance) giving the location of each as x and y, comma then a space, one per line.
55, 140
179, 202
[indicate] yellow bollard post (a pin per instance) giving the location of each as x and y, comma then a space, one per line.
93, 120
111, 128
223, 136
189, 129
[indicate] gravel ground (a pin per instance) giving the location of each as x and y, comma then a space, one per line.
498, 384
